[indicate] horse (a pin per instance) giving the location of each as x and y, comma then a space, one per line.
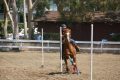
69, 51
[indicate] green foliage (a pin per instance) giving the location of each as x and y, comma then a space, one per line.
1, 8
116, 37
21, 16
9, 28
19, 5
73, 10
21, 26
112, 5
40, 9
82, 10
51, 36
1, 27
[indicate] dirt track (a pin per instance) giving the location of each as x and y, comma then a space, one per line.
27, 66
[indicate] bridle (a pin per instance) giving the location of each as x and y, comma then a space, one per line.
67, 35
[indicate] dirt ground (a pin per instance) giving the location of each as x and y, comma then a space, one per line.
27, 66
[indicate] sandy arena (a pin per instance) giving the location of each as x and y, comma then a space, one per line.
27, 66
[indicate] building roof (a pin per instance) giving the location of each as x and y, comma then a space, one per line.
49, 16
106, 17
54, 16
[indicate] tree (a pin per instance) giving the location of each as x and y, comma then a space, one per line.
5, 23
83, 10
41, 7
16, 6
73, 10
25, 22
15, 19
70, 10
31, 6
7, 13
5, 19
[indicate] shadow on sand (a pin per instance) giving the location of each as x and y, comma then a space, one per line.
53, 73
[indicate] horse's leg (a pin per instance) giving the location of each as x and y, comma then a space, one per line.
74, 64
72, 50
66, 62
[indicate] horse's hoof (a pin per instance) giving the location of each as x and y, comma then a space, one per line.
73, 72
76, 72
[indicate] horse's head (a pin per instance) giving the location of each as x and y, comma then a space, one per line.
67, 34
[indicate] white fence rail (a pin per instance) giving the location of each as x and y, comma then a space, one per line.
101, 44
49, 42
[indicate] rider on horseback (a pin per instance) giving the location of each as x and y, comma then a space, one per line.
71, 40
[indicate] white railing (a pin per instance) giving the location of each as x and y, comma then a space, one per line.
48, 42
101, 43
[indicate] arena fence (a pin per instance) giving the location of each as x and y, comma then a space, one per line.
55, 45
47, 44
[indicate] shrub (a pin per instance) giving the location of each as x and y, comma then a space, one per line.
51, 36
116, 37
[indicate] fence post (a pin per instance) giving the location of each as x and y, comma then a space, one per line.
101, 46
91, 65
42, 50
61, 49
48, 45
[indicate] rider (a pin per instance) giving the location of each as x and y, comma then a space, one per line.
71, 40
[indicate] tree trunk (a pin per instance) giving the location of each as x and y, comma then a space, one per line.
5, 25
31, 7
30, 17
15, 19
30, 24
8, 12
25, 23
5, 22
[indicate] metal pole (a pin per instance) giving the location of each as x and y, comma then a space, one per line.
42, 49
101, 46
48, 45
61, 50
91, 64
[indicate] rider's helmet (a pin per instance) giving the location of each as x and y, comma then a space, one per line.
64, 26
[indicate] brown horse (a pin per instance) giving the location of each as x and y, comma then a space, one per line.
69, 51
